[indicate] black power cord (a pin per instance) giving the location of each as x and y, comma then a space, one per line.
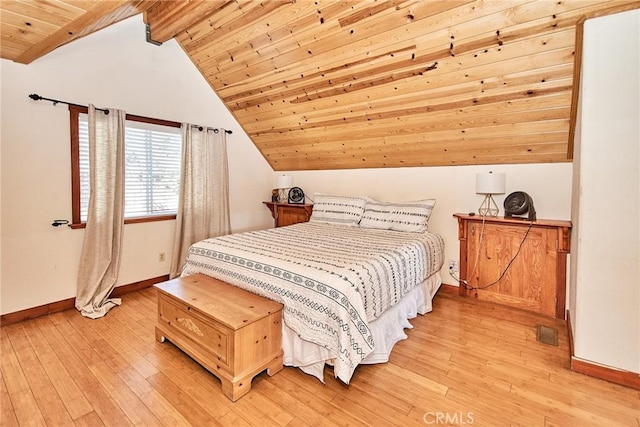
508, 266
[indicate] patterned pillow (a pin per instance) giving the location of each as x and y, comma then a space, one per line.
337, 209
406, 216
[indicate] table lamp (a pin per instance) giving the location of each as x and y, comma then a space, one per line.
283, 183
489, 184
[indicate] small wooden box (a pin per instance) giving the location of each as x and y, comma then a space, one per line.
231, 332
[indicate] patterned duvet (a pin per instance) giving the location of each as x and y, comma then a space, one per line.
332, 279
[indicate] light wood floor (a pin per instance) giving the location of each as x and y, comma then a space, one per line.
466, 363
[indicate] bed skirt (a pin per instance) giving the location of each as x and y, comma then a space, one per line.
387, 330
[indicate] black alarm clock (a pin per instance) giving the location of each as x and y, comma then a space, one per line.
296, 195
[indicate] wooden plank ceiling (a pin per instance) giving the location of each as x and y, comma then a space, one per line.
331, 84
30, 29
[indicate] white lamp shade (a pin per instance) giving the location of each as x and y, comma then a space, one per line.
284, 181
490, 183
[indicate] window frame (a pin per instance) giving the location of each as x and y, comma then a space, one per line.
74, 115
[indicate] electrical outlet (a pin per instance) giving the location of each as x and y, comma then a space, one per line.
453, 266
161, 257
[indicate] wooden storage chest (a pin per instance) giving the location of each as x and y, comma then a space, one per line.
233, 333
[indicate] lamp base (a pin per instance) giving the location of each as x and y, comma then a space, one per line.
488, 207
283, 195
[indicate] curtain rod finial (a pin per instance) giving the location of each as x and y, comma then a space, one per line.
35, 97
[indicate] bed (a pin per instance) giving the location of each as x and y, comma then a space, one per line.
348, 285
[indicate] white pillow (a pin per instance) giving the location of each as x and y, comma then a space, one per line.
405, 216
337, 209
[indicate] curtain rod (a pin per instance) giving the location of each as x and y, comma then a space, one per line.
215, 130
37, 97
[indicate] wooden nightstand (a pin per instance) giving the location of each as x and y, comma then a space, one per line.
535, 281
289, 213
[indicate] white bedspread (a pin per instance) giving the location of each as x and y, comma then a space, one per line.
333, 280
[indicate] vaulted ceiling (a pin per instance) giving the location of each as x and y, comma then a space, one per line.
331, 84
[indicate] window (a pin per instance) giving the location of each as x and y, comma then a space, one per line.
153, 150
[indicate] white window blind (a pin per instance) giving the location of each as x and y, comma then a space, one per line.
152, 169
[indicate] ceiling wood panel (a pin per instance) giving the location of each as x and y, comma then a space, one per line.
397, 83
452, 74
31, 29
166, 19
334, 84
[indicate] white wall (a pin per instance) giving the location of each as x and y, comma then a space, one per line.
605, 289
112, 68
453, 187
117, 68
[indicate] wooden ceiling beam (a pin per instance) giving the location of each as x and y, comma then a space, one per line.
166, 19
92, 20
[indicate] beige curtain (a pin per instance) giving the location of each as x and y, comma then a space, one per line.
203, 209
100, 257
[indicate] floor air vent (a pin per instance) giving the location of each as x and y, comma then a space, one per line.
547, 335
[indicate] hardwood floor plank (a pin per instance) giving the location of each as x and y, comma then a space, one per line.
76, 354
233, 419
94, 346
332, 394
134, 306
365, 414
7, 412
11, 370
23, 401
26, 409
129, 324
123, 348
290, 401
488, 407
471, 361
362, 390
605, 407
250, 415
89, 420
194, 380
576, 381
189, 406
297, 422
155, 401
567, 413
65, 386
265, 408
358, 394
480, 382
51, 406
122, 394
420, 384
318, 400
